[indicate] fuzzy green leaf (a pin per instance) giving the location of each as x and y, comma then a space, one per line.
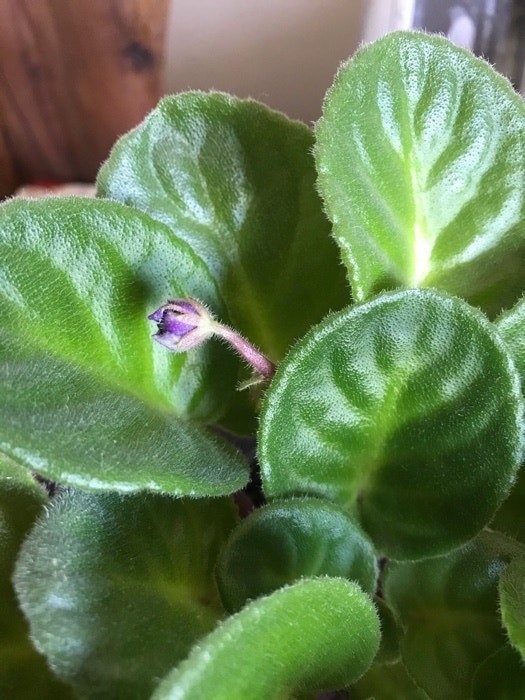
449, 608
292, 539
404, 409
88, 398
388, 682
118, 588
421, 162
23, 671
500, 677
236, 181
391, 634
511, 326
512, 602
316, 634
510, 518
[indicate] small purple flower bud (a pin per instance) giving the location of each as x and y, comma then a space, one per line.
185, 323
182, 324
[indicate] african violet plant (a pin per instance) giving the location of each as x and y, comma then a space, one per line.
379, 544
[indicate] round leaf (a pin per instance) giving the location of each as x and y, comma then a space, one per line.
500, 677
387, 682
237, 182
421, 162
512, 602
511, 327
391, 634
315, 634
510, 517
78, 279
23, 672
288, 540
404, 409
117, 589
87, 397
448, 606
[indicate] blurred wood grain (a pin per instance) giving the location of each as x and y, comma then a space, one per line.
74, 75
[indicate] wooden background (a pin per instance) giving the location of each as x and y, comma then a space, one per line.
74, 75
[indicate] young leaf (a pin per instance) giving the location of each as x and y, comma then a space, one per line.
117, 589
404, 409
448, 606
236, 181
421, 163
500, 677
288, 540
512, 602
320, 633
87, 398
23, 672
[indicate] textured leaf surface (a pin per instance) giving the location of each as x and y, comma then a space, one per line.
421, 162
236, 181
87, 398
449, 608
316, 634
23, 672
288, 540
510, 518
405, 409
512, 602
511, 326
500, 677
391, 633
389, 682
117, 589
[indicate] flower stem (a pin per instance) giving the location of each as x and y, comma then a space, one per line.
246, 350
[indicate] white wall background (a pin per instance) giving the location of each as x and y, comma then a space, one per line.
282, 52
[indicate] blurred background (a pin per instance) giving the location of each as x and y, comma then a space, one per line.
76, 75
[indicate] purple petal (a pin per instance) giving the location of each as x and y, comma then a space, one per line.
157, 315
173, 325
182, 324
186, 305
169, 341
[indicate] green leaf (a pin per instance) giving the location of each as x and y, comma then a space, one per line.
449, 608
23, 672
118, 588
236, 181
390, 682
288, 540
391, 634
404, 409
292, 640
500, 677
88, 398
512, 602
421, 162
21, 500
511, 326
510, 517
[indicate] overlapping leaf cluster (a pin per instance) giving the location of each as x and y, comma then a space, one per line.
390, 555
